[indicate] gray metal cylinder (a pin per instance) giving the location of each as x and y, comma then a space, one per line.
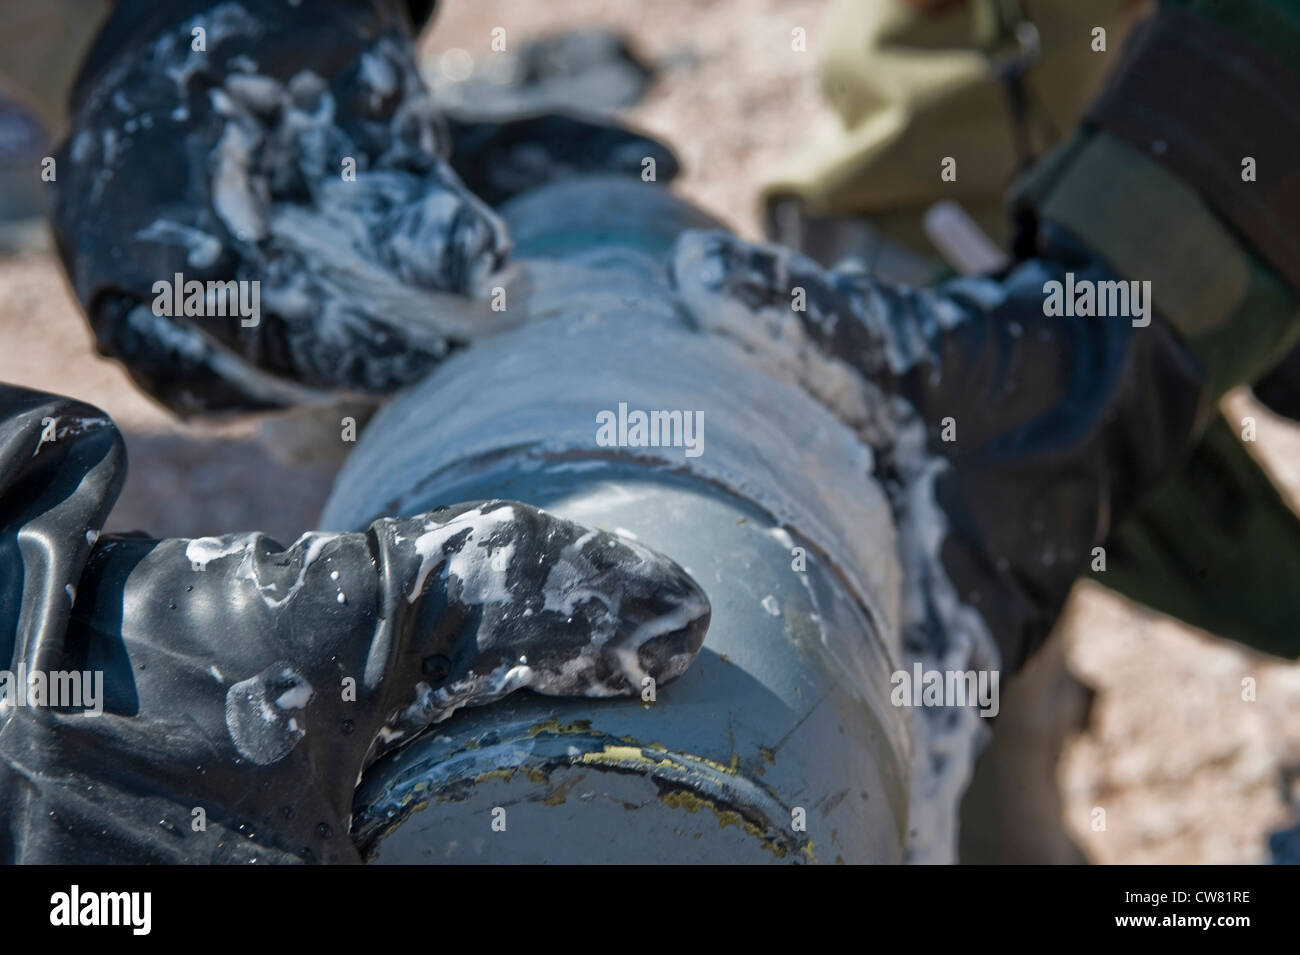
779, 743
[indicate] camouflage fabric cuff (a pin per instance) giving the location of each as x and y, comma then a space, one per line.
1149, 225
1221, 113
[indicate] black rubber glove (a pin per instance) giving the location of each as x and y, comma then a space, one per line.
1059, 425
246, 686
297, 149
499, 159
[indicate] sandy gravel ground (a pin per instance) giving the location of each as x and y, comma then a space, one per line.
1185, 770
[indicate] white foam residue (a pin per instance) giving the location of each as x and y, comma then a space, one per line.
262, 94
378, 74
679, 618
59, 429
233, 196
202, 551
566, 587
296, 697
482, 576
204, 249
315, 542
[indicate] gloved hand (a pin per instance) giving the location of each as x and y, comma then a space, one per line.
1010, 440
246, 686
297, 151
289, 145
